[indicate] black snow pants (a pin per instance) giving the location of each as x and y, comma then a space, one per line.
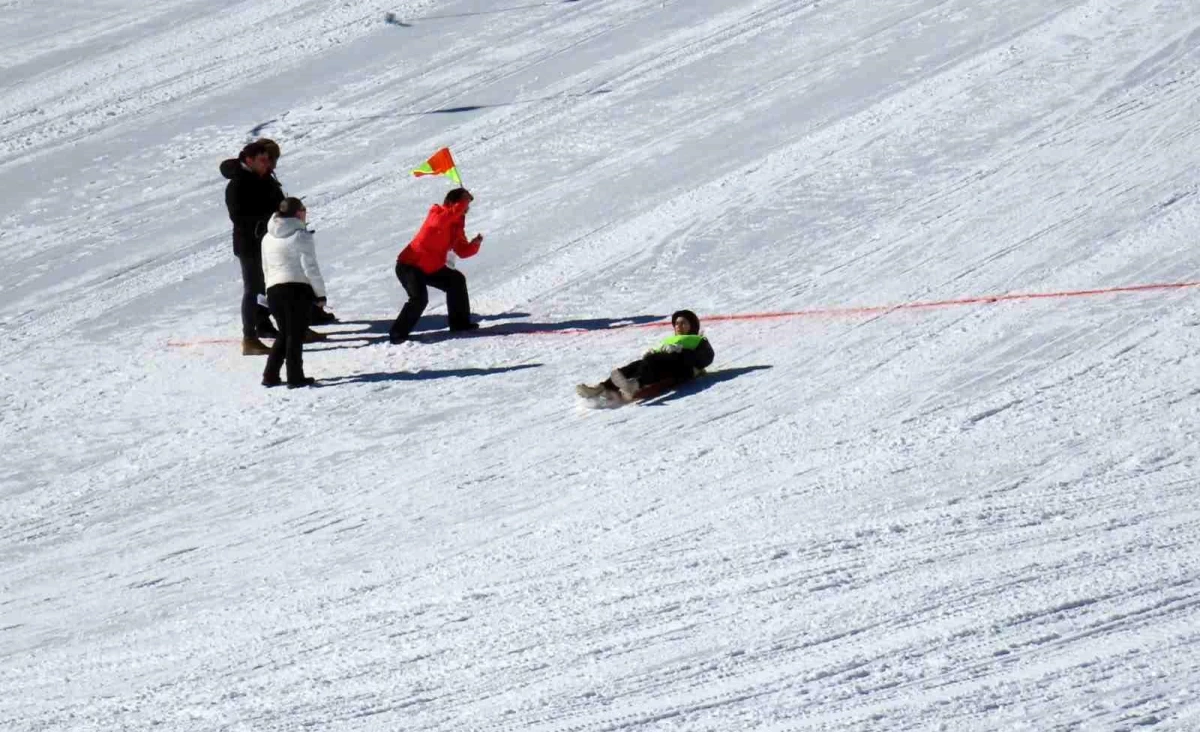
655, 367
253, 285
417, 283
291, 304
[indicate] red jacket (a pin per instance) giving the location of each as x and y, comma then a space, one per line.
442, 232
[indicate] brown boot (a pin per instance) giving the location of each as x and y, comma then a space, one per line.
254, 347
312, 336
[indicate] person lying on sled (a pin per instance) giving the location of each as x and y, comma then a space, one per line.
677, 359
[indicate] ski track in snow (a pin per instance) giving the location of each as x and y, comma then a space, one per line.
974, 518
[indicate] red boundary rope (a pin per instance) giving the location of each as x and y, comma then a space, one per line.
834, 312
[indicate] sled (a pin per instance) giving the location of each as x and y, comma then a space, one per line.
611, 398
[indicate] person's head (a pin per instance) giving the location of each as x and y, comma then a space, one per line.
685, 322
459, 198
292, 208
272, 148
260, 156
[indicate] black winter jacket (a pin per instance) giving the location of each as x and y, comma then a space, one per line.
251, 200
702, 356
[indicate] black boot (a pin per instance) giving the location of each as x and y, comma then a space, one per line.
321, 316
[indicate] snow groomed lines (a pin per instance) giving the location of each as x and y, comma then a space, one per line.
815, 312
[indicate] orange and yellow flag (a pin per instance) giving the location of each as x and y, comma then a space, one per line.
440, 164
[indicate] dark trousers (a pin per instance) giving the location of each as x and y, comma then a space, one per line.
416, 283
656, 367
253, 285
291, 304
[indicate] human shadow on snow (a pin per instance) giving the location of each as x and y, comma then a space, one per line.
709, 380
427, 322
339, 341
377, 330
424, 374
432, 328
507, 329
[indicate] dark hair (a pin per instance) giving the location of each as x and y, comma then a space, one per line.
258, 147
690, 317
289, 208
456, 195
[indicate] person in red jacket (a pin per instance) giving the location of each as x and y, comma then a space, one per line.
422, 264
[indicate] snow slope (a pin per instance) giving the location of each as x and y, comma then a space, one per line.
966, 516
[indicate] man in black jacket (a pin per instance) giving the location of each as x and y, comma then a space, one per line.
252, 195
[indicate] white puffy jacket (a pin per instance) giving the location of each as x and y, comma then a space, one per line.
289, 254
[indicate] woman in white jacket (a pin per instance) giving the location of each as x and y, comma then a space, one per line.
294, 283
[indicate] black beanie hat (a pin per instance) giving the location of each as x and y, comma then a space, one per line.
690, 317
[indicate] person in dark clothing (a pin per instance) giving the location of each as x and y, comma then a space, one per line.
678, 358
423, 264
252, 196
294, 283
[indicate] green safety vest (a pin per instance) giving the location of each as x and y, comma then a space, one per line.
687, 342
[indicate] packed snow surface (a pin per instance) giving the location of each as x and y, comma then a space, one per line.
903, 504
